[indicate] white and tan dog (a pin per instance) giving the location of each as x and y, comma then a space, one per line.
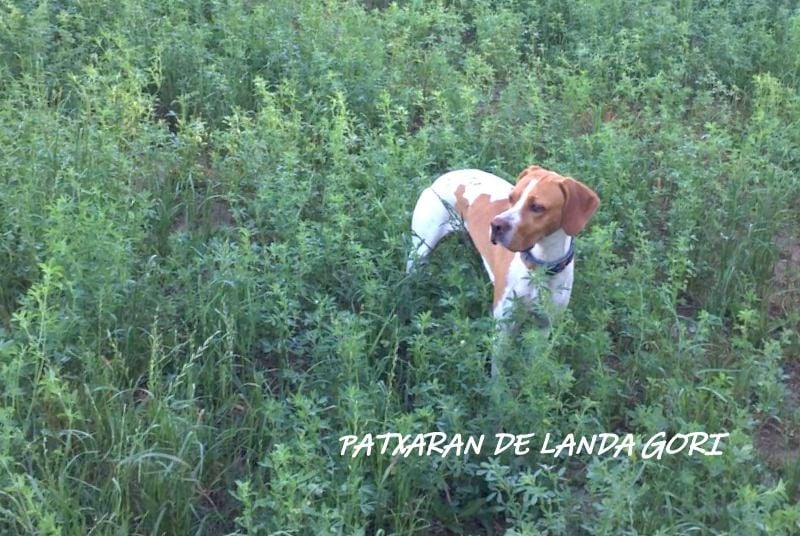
516, 229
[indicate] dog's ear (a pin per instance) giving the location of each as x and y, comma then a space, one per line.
579, 205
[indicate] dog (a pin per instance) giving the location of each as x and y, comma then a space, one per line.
516, 229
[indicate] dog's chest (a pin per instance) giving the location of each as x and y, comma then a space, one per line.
531, 286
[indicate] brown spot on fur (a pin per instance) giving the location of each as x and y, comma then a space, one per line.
478, 216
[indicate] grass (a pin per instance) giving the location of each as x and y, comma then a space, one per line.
203, 224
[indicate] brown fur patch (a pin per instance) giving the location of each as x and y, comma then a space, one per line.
478, 217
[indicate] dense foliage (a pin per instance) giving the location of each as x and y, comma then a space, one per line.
204, 216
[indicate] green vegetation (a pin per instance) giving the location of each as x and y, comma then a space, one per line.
204, 216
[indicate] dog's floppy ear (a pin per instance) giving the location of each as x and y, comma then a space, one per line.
580, 203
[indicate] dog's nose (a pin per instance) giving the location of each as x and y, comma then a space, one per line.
500, 227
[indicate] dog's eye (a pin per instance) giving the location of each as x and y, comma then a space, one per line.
511, 199
536, 207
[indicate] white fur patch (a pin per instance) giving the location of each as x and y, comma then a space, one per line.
475, 182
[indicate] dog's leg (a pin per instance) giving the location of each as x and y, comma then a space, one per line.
431, 222
510, 315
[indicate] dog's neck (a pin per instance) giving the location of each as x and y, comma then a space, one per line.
552, 247
551, 260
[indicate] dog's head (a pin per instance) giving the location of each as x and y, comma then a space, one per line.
542, 202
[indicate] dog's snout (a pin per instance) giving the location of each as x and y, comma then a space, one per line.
500, 227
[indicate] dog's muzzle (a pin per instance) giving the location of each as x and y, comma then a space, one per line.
499, 230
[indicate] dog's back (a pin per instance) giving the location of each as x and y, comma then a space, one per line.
471, 195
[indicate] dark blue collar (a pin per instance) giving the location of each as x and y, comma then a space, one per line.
550, 267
